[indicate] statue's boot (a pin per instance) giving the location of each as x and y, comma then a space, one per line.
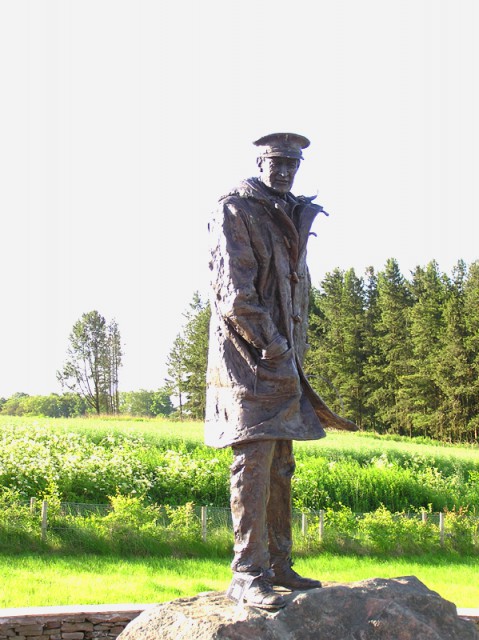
262, 595
285, 576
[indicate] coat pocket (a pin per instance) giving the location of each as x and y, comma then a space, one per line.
277, 376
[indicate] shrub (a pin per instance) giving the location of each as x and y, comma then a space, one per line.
340, 529
184, 523
378, 530
461, 529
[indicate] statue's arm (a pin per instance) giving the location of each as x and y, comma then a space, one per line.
234, 273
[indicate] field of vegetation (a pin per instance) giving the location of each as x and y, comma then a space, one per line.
165, 462
139, 484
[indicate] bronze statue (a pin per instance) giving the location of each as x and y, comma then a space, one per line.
258, 398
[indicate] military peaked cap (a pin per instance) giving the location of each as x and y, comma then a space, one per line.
283, 145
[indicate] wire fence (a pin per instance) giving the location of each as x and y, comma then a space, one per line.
41, 518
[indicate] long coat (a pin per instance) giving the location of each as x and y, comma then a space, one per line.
256, 388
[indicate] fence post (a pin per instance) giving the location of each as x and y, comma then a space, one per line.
44, 520
441, 528
321, 524
204, 513
424, 517
304, 524
32, 505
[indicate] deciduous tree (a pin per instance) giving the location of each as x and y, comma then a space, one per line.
93, 360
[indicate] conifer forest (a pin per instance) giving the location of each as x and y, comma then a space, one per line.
397, 354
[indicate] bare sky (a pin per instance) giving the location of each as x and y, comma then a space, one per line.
123, 121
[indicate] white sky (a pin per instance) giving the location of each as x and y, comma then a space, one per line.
122, 121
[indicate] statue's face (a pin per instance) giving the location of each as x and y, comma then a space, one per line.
278, 173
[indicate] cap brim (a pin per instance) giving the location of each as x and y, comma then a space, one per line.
287, 153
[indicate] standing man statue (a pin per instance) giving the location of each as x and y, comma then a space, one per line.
258, 398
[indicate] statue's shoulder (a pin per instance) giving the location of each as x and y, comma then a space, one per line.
243, 200
248, 189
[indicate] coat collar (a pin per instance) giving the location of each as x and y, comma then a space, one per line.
255, 189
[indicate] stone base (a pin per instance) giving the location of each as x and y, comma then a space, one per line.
377, 609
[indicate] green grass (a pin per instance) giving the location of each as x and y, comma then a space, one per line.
156, 431
32, 580
39, 580
454, 578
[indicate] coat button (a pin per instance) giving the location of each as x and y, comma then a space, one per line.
297, 318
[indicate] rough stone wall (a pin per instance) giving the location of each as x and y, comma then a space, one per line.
88, 622
67, 623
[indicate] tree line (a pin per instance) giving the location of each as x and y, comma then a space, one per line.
148, 403
394, 354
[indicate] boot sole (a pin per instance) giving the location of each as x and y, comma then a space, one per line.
296, 588
268, 607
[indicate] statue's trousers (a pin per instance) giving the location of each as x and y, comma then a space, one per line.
261, 504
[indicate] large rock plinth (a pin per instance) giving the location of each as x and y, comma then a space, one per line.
377, 609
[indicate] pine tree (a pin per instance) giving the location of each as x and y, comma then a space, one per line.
196, 334
392, 351
454, 373
371, 381
187, 361
354, 330
335, 361
323, 338
471, 311
426, 318
175, 383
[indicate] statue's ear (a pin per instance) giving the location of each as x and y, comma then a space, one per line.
259, 162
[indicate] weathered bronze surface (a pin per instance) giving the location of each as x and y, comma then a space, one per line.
258, 398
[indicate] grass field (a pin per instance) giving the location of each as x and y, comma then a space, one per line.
38, 579
160, 431
33, 580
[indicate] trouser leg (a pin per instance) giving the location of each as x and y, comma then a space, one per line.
279, 516
250, 492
